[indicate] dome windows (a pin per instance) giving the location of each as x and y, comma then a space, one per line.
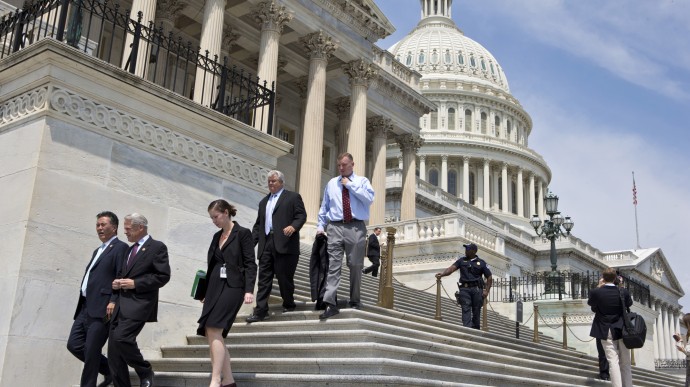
461, 59
473, 62
434, 57
447, 58
451, 119
408, 59
422, 58
491, 65
483, 65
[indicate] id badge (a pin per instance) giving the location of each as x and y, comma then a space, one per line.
223, 272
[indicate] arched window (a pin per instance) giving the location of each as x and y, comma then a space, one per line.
434, 57
461, 58
473, 62
408, 60
451, 119
421, 58
447, 58
453, 182
483, 122
434, 120
473, 197
492, 68
509, 130
433, 177
483, 65
468, 120
497, 125
513, 197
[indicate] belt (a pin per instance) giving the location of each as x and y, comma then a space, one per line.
469, 285
344, 222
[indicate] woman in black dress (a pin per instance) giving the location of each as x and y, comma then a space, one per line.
230, 282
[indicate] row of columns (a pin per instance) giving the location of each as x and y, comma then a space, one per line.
488, 198
666, 324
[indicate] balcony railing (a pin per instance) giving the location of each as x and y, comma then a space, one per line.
104, 30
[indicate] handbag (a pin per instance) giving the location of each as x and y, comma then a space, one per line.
634, 327
199, 285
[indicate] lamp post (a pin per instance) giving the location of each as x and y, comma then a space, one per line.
551, 229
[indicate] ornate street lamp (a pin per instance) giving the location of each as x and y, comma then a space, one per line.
551, 229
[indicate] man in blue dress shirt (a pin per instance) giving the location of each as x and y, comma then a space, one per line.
344, 209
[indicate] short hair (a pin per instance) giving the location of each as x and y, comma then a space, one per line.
221, 205
137, 219
108, 214
377, 228
277, 174
609, 274
345, 154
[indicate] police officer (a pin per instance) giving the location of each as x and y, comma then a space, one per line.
473, 290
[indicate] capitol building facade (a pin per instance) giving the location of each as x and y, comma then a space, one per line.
90, 121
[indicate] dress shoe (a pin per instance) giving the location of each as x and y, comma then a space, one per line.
257, 317
229, 385
331, 310
355, 306
292, 309
364, 271
604, 377
108, 380
147, 381
320, 305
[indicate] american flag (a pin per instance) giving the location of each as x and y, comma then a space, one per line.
634, 190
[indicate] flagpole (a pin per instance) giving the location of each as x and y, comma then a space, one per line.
637, 231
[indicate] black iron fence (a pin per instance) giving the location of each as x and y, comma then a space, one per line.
104, 30
558, 286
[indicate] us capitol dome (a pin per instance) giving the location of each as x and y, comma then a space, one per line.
476, 142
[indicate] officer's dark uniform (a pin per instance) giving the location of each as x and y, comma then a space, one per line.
471, 286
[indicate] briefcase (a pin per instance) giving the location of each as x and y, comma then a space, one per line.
199, 286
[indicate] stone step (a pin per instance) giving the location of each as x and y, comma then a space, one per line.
335, 367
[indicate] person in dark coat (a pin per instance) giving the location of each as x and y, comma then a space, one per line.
373, 253
229, 282
318, 270
607, 327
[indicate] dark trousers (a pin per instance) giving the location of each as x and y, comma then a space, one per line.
471, 301
603, 363
283, 266
375, 263
85, 342
123, 351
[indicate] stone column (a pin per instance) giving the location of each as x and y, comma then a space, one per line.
319, 47
380, 127
655, 328
271, 17
670, 347
409, 145
342, 109
540, 201
444, 172
487, 189
205, 82
360, 73
494, 191
504, 188
520, 194
532, 199
664, 333
466, 179
675, 327
422, 167
148, 14
166, 15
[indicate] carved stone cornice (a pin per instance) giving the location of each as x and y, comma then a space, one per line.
360, 17
360, 72
169, 10
379, 126
135, 131
390, 87
319, 45
409, 143
271, 16
342, 107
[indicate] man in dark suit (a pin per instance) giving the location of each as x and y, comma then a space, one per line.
374, 253
608, 324
96, 302
144, 271
276, 230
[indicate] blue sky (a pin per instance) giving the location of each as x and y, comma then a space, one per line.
607, 84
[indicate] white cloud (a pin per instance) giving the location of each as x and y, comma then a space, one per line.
592, 167
644, 43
